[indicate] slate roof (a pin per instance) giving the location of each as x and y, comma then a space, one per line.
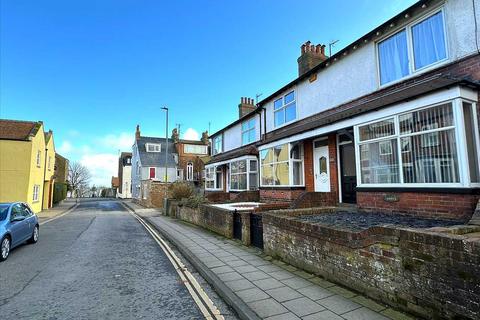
156, 159
18, 130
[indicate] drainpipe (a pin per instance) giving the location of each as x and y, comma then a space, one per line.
44, 176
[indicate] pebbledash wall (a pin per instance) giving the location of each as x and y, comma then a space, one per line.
432, 273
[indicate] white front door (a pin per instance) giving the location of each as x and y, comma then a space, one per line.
321, 166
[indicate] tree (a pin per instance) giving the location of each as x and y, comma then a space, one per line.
79, 177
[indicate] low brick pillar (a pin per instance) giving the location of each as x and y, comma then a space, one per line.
245, 227
476, 216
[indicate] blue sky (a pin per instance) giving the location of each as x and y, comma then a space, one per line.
93, 69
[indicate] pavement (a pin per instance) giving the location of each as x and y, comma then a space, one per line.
56, 210
259, 287
97, 262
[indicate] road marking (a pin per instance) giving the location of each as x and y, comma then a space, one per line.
204, 303
60, 215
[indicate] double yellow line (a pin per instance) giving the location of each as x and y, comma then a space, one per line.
204, 303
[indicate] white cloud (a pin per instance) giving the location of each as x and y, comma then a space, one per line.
65, 147
122, 142
102, 167
191, 134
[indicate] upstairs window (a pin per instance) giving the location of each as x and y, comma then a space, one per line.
217, 144
153, 147
285, 109
248, 131
195, 149
424, 42
39, 157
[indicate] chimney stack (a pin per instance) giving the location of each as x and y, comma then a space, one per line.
310, 57
137, 132
246, 105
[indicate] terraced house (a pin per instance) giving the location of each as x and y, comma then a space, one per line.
389, 123
27, 163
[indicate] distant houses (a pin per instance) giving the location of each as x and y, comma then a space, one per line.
144, 174
28, 170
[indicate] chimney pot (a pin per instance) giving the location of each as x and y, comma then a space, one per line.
311, 56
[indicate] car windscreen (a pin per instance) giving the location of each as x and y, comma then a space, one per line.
3, 211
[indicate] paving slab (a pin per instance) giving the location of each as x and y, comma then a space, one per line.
267, 308
269, 283
238, 285
303, 306
339, 304
363, 314
284, 316
260, 287
315, 292
323, 315
252, 294
283, 294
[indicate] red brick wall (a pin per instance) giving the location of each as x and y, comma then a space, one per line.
433, 205
280, 195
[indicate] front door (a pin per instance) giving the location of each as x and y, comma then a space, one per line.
348, 173
320, 166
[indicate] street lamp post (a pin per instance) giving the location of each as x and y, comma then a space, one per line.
166, 148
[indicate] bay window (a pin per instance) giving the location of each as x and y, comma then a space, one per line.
419, 147
423, 42
209, 178
282, 165
213, 178
243, 175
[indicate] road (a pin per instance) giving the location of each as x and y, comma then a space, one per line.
97, 262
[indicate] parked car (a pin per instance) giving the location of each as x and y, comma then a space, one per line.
18, 224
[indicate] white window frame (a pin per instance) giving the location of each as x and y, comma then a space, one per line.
36, 193
459, 130
248, 130
411, 61
187, 145
214, 142
284, 107
290, 168
156, 146
189, 171
39, 159
212, 178
247, 173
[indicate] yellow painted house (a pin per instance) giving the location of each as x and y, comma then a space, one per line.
27, 161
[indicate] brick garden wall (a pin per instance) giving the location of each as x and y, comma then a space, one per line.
209, 217
431, 274
280, 195
438, 205
152, 194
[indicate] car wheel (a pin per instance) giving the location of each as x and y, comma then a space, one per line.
34, 237
5, 248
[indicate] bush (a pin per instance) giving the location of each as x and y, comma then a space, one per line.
194, 201
59, 192
180, 190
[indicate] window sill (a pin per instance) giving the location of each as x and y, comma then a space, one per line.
443, 189
416, 73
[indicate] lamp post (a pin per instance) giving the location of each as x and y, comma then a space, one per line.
166, 148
